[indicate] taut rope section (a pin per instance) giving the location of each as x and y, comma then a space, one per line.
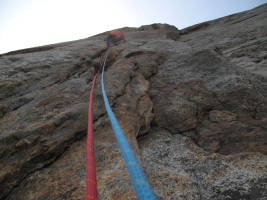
142, 188
91, 185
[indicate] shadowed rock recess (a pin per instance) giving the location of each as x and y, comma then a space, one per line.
192, 102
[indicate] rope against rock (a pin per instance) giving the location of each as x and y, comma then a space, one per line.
91, 184
142, 188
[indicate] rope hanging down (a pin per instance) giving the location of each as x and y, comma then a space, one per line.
91, 186
142, 188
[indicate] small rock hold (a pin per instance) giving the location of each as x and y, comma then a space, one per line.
219, 116
22, 143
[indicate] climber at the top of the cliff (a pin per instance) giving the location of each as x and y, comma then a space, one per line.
115, 38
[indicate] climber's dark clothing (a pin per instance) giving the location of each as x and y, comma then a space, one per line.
115, 38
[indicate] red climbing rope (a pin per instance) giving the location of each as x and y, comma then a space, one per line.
91, 186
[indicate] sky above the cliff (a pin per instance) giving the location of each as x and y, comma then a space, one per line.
29, 23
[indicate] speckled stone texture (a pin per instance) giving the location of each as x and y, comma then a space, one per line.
192, 102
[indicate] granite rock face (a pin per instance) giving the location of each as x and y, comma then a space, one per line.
192, 102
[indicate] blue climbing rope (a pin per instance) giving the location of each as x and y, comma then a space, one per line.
142, 188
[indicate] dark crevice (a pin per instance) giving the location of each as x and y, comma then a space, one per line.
136, 53
143, 136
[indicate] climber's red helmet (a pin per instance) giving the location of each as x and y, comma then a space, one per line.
118, 33
114, 38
